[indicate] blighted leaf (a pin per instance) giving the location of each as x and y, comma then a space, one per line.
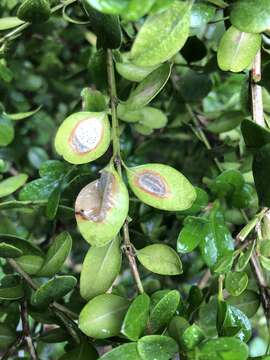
251, 15
223, 347
34, 11
191, 234
237, 50
56, 255
261, 174
226, 122
133, 72
7, 131
157, 346
100, 268
164, 305
236, 282
102, 316
106, 27
84, 351
136, 318
125, 351
248, 302
11, 288
10, 22
83, 137
101, 208
7, 336
168, 30
148, 88
160, 259
255, 136
53, 290
161, 186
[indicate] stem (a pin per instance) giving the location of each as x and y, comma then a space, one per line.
117, 159
35, 286
27, 24
202, 135
26, 331
220, 287
256, 91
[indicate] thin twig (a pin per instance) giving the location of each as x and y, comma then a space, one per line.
13, 348
35, 286
26, 331
117, 159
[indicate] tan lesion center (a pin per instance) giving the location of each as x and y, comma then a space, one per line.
97, 198
86, 135
153, 183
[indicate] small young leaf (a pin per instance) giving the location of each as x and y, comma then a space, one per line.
56, 255
161, 186
53, 290
7, 131
191, 337
23, 115
136, 318
168, 30
160, 259
12, 184
237, 50
133, 72
93, 100
148, 88
226, 122
191, 234
100, 268
7, 23
102, 316
157, 347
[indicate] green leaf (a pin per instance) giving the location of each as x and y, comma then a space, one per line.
255, 136
7, 23
201, 14
133, 72
265, 262
237, 50
12, 184
191, 234
194, 86
160, 259
161, 186
100, 268
23, 115
53, 290
191, 337
109, 6
137, 9
125, 351
84, 351
34, 11
11, 288
217, 241
102, 316
56, 255
177, 326
53, 201
7, 336
236, 283
248, 302
226, 122
164, 307
148, 88
106, 27
93, 100
223, 348
7, 131
30, 263
9, 251
54, 336
244, 258
261, 174
227, 182
168, 30
5, 73
251, 16
157, 347
136, 318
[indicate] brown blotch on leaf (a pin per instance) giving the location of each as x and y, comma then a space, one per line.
152, 183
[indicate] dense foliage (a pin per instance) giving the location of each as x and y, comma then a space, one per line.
134, 179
